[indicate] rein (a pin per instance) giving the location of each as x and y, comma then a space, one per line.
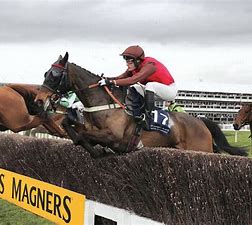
114, 98
109, 93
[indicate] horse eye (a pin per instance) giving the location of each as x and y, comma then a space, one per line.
45, 75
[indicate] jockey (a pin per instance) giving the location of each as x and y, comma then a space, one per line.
147, 75
68, 100
74, 106
173, 107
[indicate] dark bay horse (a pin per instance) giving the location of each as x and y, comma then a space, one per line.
108, 125
18, 112
244, 117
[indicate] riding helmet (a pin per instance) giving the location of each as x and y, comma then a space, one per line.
133, 51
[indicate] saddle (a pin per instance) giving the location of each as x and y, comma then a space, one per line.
135, 107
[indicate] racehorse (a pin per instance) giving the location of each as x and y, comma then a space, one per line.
18, 112
244, 117
108, 125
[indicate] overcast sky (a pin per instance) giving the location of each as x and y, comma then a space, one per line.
207, 41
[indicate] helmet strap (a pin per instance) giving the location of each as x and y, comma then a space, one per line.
137, 62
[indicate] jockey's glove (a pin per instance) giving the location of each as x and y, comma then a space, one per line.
106, 82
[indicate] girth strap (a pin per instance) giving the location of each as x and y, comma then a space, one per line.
135, 138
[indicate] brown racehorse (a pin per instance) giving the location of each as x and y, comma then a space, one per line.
18, 111
244, 117
111, 126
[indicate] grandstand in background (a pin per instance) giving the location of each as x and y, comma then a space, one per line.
219, 103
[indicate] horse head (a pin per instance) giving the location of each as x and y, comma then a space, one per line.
243, 117
54, 82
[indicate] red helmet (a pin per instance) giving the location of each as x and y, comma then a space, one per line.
134, 51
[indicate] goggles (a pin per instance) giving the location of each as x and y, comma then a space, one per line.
128, 58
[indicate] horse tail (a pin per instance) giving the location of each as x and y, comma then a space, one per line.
220, 141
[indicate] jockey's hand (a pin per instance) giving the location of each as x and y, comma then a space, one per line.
106, 82
102, 82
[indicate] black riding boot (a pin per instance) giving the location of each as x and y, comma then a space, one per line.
71, 114
149, 103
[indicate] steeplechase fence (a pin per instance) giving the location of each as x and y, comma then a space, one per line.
61, 182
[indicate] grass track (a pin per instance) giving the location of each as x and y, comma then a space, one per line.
242, 139
11, 214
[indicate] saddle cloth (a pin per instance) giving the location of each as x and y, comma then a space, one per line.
159, 121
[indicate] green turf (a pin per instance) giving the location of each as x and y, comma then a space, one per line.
10, 214
241, 140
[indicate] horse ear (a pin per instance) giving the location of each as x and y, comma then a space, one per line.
60, 57
64, 60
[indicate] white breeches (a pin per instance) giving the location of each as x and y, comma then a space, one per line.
78, 105
165, 92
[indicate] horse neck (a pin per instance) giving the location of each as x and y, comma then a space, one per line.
249, 118
247, 115
80, 81
28, 92
25, 89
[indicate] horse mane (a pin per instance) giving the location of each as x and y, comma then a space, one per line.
86, 71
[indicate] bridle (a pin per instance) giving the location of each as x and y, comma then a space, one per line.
62, 84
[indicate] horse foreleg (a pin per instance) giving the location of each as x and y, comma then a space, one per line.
105, 137
77, 140
34, 121
53, 128
74, 136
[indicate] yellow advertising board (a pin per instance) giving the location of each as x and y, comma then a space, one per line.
56, 204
